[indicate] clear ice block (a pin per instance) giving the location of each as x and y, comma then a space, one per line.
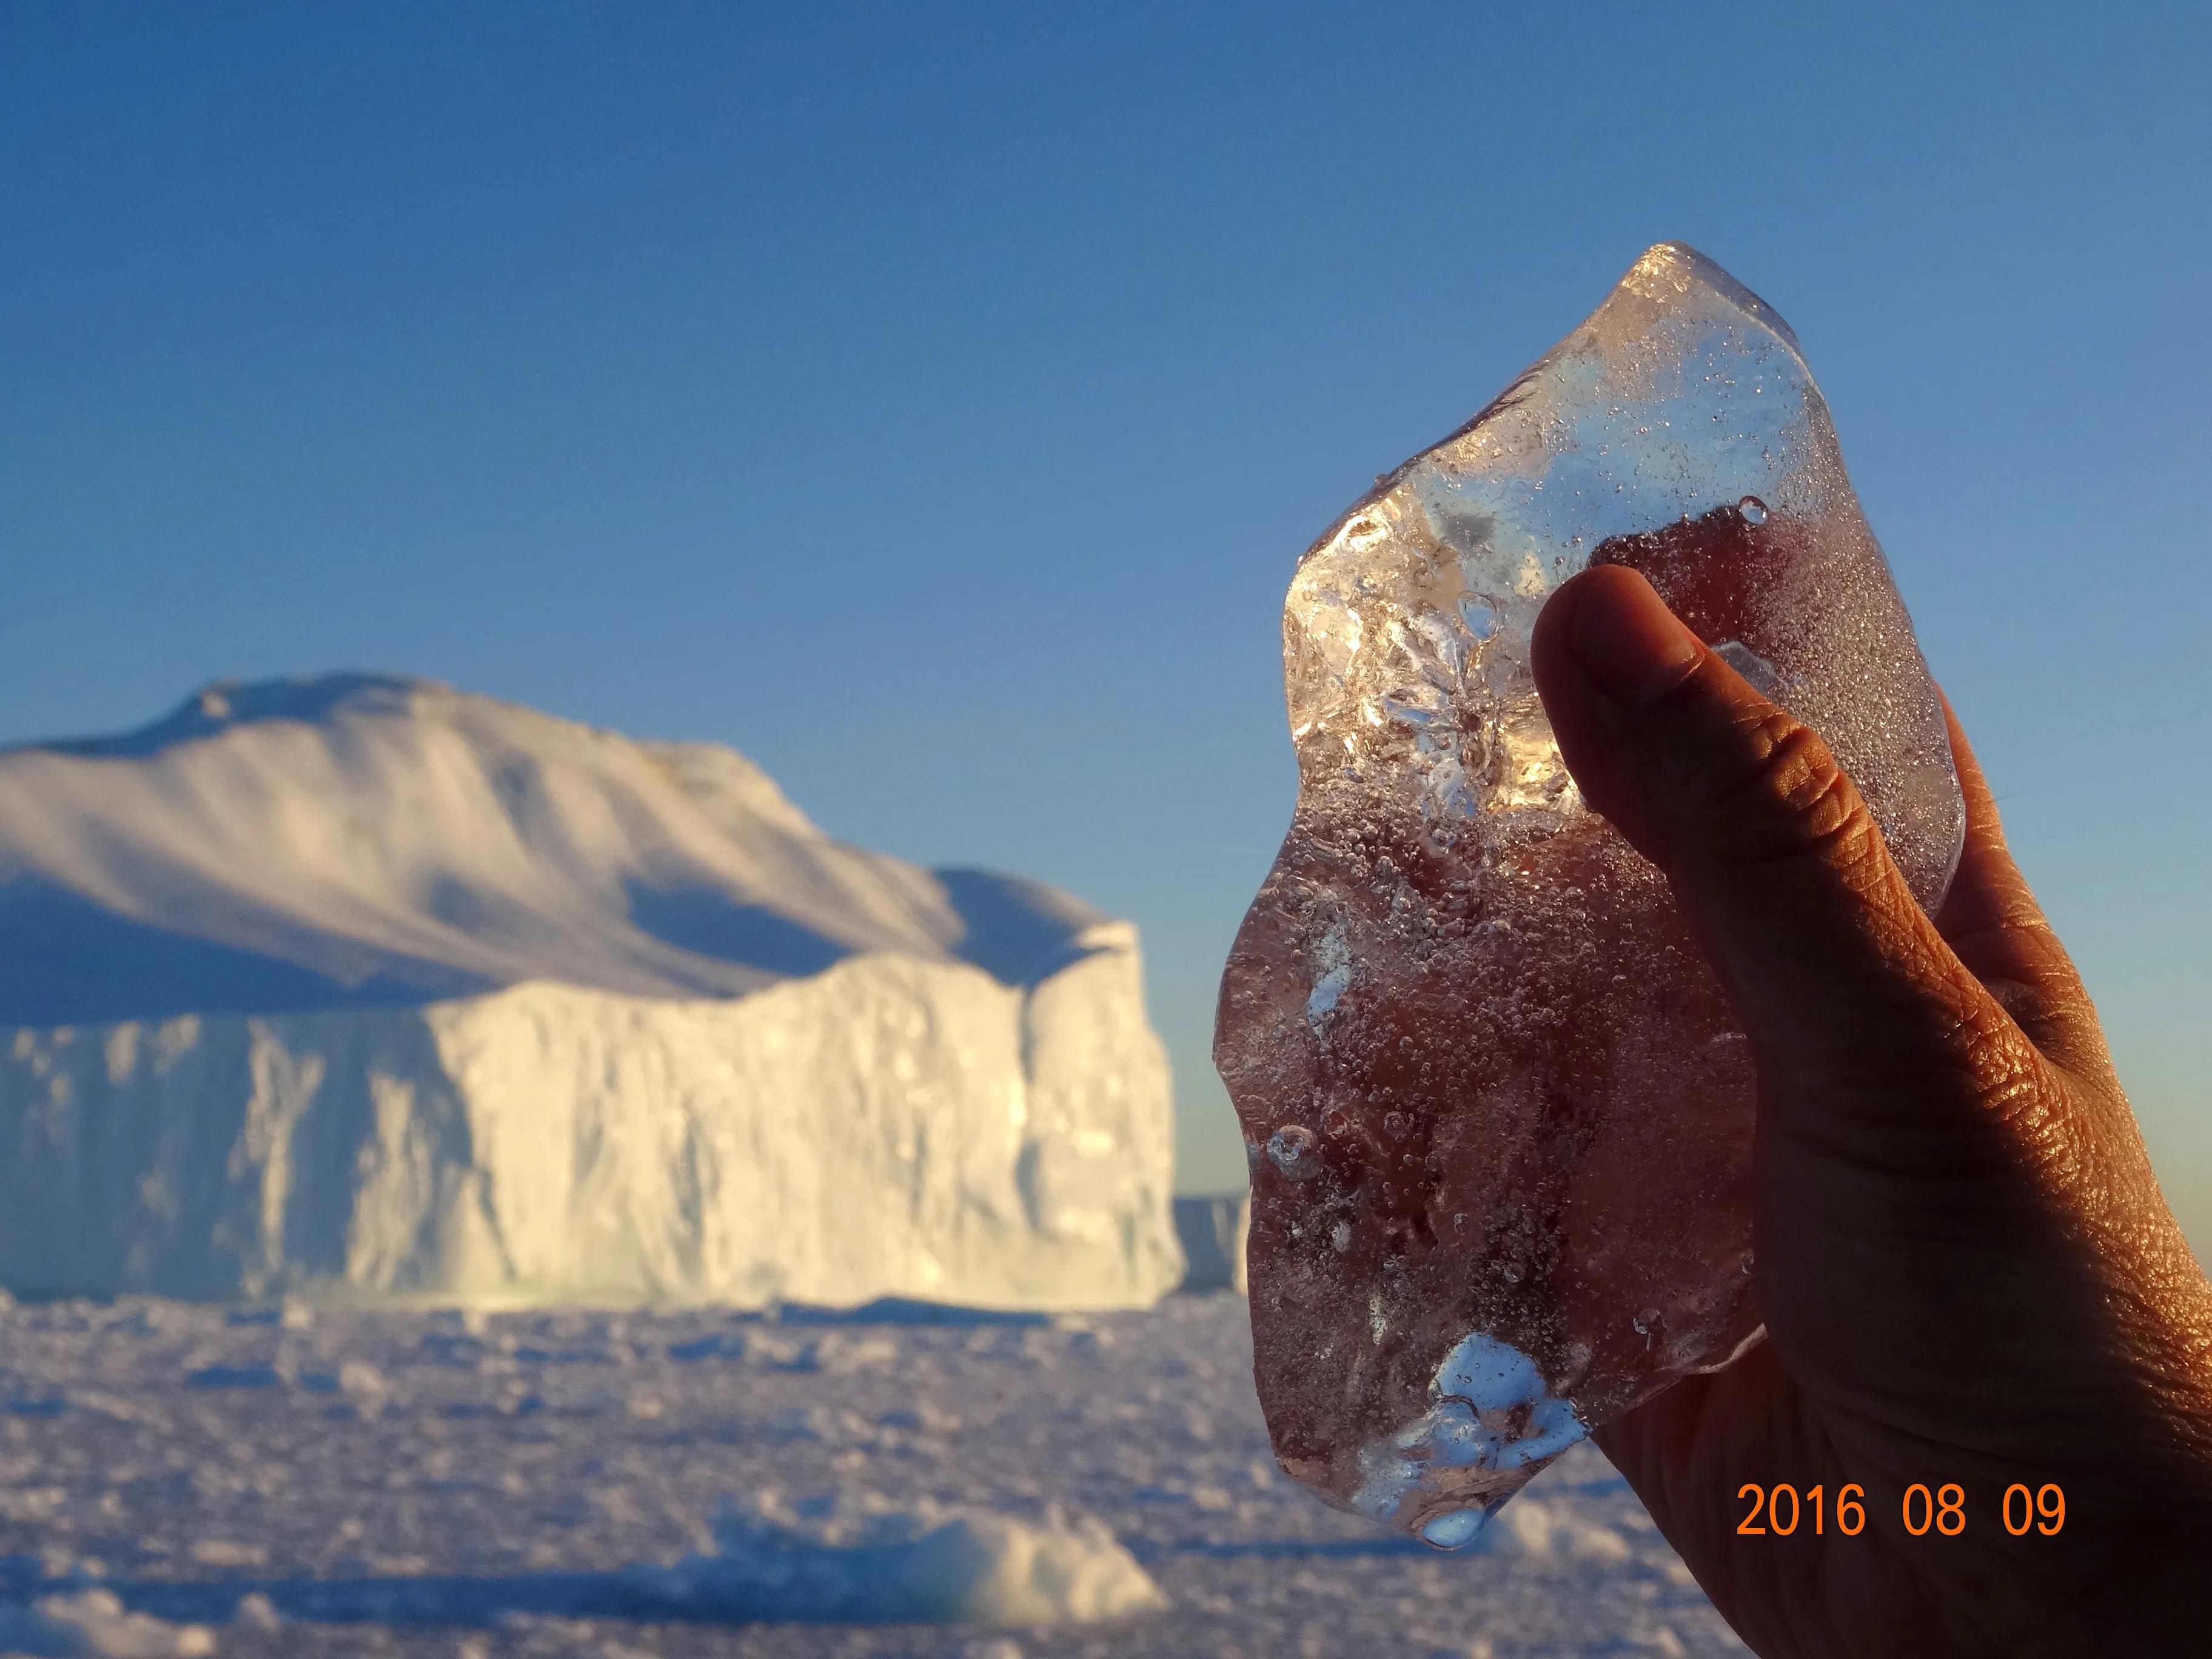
1498, 1113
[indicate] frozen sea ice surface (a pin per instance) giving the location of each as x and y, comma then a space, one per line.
1498, 1113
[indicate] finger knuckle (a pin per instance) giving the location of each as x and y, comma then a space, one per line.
1983, 1083
1996, 1059
1960, 1093
2013, 1087
1784, 798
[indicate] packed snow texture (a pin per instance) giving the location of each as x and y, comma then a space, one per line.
365, 987
343, 1481
95, 1622
843, 1559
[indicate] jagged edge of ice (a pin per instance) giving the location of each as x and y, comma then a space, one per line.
1676, 260
1480, 1374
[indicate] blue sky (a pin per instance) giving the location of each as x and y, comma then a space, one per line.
930, 401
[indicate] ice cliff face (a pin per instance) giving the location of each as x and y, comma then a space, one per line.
364, 986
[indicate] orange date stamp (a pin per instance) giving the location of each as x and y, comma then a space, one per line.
1781, 1510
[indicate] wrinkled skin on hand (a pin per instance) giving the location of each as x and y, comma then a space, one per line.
1967, 1270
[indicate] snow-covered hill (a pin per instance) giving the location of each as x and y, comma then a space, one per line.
365, 985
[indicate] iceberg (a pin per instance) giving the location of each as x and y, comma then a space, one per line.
364, 987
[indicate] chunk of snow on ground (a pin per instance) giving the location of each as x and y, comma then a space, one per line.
256, 1612
1537, 1531
839, 1561
512, 1499
224, 1553
95, 1623
357, 1378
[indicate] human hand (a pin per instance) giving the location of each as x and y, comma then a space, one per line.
1967, 1270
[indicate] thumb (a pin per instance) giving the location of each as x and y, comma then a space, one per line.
1829, 961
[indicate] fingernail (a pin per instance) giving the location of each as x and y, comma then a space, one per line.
1628, 642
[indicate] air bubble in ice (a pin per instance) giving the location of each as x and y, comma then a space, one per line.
1455, 1529
1291, 1150
1753, 508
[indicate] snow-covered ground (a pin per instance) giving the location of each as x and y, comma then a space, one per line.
181, 1478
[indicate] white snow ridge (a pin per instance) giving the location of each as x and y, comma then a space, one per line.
96, 1624
830, 1560
365, 987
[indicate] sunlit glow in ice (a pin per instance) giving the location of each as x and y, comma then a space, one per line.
1336, 975
1492, 1412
